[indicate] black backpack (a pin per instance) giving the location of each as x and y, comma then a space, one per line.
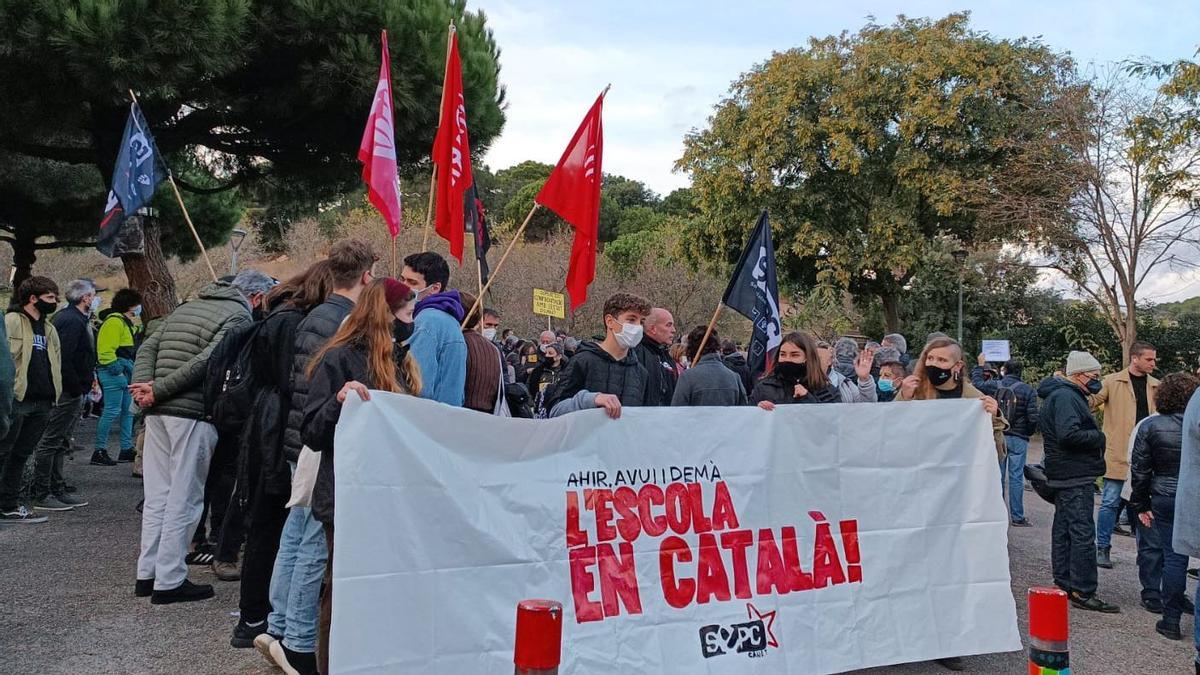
229, 382
1008, 401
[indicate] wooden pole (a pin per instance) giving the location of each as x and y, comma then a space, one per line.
433, 171
711, 323
393, 257
187, 217
496, 272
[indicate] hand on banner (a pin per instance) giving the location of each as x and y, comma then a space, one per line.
990, 406
799, 391
863, 364
910, 386
767, 405
1147, 518
356, 387
611, 405
982, 360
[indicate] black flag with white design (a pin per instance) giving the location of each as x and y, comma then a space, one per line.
754, 293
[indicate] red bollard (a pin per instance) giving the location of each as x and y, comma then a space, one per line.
539, 637
1048, 632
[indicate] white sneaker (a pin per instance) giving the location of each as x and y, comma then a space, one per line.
21, 516
263, 644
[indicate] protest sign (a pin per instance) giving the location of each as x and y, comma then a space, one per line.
546, 303
811, 539
996, 351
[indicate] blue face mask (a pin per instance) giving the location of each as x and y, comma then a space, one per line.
886, 386
1094, 386
137, 311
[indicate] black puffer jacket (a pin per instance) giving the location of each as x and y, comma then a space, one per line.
595, 370
660, 372
272, 352
1155, 465
1074, 445
312, 334
772, 388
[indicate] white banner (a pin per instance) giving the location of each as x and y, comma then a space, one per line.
811, 539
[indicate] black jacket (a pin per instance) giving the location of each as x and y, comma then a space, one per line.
1154, 468
312, 334
1074, 445
1025, 420
660, 372
78, 347
593, 369
321, 413
272, 355
772, 388
542, 380
737, 363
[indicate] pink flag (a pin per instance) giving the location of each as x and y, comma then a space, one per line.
378, 149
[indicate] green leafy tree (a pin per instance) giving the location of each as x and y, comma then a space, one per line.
866, 146
638, 219
680, 202
254, 90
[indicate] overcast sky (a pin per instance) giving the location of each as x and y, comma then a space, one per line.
670, 61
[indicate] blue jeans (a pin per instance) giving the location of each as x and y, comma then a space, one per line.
1110, 508
1013, 468
114, 380
1174, 565
296, 581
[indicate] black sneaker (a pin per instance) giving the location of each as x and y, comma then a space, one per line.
954, 663
293, 663
1020, 522
1093, 604
1168, 630
1189, 607
185, 592
71, 500
101, 458
143, 588
126, 455
1152, 605
1194, 573
1122, 531
244, 634
20, 516
51, 503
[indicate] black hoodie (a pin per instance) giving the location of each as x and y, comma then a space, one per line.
1074, 444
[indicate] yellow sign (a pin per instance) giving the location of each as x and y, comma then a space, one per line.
546, 303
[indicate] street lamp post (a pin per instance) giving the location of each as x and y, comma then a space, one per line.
960, 256
235, 242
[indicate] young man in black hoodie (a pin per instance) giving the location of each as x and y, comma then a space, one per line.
78, 373
606, 374
1074, 459
33, 343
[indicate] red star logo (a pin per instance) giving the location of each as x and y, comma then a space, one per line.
768, 619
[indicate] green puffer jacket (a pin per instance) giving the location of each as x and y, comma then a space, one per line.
175, 356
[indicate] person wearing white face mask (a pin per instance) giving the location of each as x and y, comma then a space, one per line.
490, 325
605, 374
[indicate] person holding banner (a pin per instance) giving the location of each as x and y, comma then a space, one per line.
606, 374
437, 343
793, 381
939, 374
369, 351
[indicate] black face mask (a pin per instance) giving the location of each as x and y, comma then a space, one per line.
791, 372
938, 376
46, 308
401, 332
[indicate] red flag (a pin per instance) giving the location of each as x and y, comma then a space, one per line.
377, 151
573, 192
452, 155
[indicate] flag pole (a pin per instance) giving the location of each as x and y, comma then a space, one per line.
393, 257
496, 272
186, 216
711, 323
433, 171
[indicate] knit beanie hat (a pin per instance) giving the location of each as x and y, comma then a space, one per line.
1081, 362
397, 293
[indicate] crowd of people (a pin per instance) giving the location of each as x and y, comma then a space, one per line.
237, 394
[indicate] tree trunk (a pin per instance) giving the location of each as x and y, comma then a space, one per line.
24, 254
891, 311
148, 274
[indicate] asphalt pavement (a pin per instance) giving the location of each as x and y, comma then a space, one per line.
68, 606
